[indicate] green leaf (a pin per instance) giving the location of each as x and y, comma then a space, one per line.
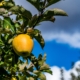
8, 24
25, 13
50, 2
1, 42
55, 12
44, 67
37, 35
48, 71
35, 3
15, 9
42, 76
18, 9
22, 77
8, 4
47, 18
33, 20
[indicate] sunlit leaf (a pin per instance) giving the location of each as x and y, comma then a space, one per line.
15, 9
55, 12
44, 67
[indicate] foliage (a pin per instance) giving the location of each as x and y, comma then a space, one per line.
12, 65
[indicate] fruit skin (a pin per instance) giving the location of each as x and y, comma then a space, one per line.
22, 45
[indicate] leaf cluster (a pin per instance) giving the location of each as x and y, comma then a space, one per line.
11, 65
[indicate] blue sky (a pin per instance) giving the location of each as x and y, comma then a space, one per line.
58, 54
62, 38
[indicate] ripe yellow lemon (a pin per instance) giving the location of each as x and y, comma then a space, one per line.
23, 45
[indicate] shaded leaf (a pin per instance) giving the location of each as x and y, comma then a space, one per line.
1, 42
33, 20
18, 9
37, 35
1, 0
22, 77
50, 2
25, 13
47, 18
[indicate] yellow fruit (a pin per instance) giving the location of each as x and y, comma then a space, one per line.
22, 45
13, 78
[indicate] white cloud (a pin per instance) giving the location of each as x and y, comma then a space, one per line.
67, 73
72, 39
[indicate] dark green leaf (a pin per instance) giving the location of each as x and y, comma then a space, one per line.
33, 21
18, 9
1, 43
8, 24
1, 0
25, 13
35, 3
50, 2
37, 35
47, 18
